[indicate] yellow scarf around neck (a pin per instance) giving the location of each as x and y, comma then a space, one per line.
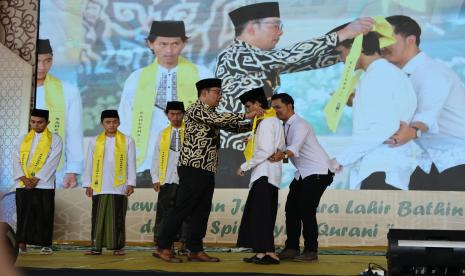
39, 156
248, 152
120, 161
165, 142
334, 108
145, 96
55, 104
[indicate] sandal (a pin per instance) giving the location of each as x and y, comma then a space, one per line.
93, 252
119, 253
46, 251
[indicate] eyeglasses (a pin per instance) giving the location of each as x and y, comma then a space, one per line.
277, 25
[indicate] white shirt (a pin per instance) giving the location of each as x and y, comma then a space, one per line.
159, 120
269, 137
309, 156
73, 140
47, 172
384, 98
173, 156
441, 106
109, 167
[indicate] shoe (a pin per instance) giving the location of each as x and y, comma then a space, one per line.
250, 259
287, 254
166, 255
93, 252
307, 256
46, 251
119, 252
201, 256
266, 260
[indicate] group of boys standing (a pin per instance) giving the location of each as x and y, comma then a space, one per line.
183, 158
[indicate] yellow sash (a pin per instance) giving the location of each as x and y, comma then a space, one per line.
335, 106
40, 153
165, 142
120, 163
248, 152
55, 103
145, 96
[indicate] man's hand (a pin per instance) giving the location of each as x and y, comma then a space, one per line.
350, 100
156, 186
277, 156
26, 181
361, 25
129, 190
404, 134
240, 172
34, 182
334, 166
252, 114
69, 181
89, 192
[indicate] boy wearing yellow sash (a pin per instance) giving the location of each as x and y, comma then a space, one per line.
170, 77
63, 101
109, 178
164, 172
259, 217
34, 167
384, 98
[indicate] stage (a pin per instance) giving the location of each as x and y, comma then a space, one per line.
138, 260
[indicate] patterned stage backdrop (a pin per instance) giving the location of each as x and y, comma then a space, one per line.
98, 43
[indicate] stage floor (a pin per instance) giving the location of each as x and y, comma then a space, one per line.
350, 262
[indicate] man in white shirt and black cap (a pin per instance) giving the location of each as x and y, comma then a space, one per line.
258, 220
64, 103
164, 171
170, 77
439, 121
34, 167
311, 180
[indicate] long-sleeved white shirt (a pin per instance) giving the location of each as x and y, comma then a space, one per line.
166, 81
269, 137
73, 140
309, 156
384, 98
173, 156
47, 173
109, 168
441, 106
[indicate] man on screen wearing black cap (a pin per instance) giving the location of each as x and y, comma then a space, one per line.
251, 61
164, 170
196, 168
170, 77
63, 101
34, 166
109, 178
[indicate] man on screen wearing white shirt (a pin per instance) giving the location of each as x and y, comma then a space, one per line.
170, 77
34, 166
258, 220
164, 170
384, 98
439, 121
63, 101
109, 178
311, 180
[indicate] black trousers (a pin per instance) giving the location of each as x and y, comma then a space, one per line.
302, 201
259, 217
193, 199
166, 200
35, 210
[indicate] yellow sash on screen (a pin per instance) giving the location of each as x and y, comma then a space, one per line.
120, 163
248, 152
145, 95
55, 104
165, 149
335, 106
39, 156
